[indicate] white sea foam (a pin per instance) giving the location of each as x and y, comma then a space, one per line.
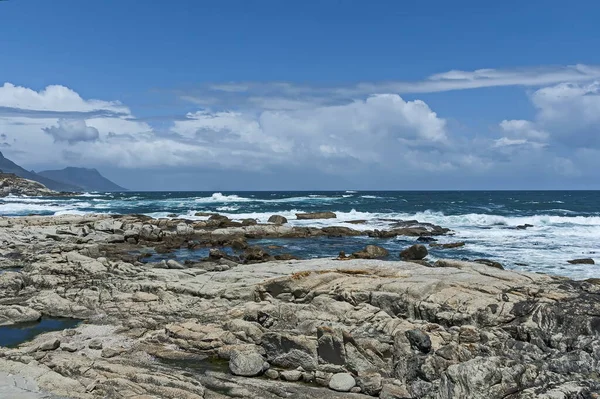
369, 196
92, 194
228, 208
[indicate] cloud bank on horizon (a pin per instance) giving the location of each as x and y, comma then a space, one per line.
352, 131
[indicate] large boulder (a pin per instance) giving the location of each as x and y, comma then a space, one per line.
331, 346
277, 219
316, 215
246, 363
414, 252
371, 252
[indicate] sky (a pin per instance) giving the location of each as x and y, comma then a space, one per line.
305, 95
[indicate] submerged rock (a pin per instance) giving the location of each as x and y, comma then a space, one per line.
448, 245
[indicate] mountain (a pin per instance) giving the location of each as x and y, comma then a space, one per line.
8, 166
86, 179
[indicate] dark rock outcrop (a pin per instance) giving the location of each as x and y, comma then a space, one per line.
316, 215
415, 252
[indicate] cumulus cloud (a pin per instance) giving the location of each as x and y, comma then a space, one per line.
72, 131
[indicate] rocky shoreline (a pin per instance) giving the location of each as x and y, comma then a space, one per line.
244, 323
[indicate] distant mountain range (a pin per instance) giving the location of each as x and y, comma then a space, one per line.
67, 179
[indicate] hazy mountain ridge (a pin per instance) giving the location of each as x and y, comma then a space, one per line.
87, 179
67, 179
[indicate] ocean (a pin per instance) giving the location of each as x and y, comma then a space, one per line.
566, 224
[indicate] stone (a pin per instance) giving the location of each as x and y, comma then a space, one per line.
115, 239
291, 375
585, 261
370, 383
316, 215
447, 245
414, 252
419, 340
95, 344
69, 347
342, 382
173, 264
246, 364
272, 374
371, 252
49, 345
489, 263
277, 219
330, 346
393, 391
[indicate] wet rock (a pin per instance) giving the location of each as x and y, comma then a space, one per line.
256, 254
419, 340
426, 239
447, 245
523, 226
239, 243
371, 252
249, 222
316, 215
342, 382
585, 261
415, 252
277, 219
246, 364
489, 263
339, 231
215, 253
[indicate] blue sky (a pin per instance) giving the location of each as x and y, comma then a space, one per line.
305, 95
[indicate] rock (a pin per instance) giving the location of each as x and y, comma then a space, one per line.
184, 229
342, 382
419, 340
340, 231
69, 347
331, 346
256, 254
95, 344
290, 350
371, 252
489, 263
426, 239
523, 226
370, 383
316, 215
272, 374
393, 391
291, 375
415, 252
246, 364
115, 239
277, 219
111, 352
239, 243
215, 253
447, 245
49, 345
173, 264
249, 222
585, 261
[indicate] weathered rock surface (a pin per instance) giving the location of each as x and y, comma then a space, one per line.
387, 329
585, 261
277, 219
371, 252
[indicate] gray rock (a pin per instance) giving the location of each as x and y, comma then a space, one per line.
49, 345
316, 215
331, 346
393, 391
414, 252
291, 375
173, 264
115, 239
342, 382
272, 374
371, 252
585, 261
95, 344
419, 340
370, 383
277, 219
246, 363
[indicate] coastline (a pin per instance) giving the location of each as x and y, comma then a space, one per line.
392, 329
